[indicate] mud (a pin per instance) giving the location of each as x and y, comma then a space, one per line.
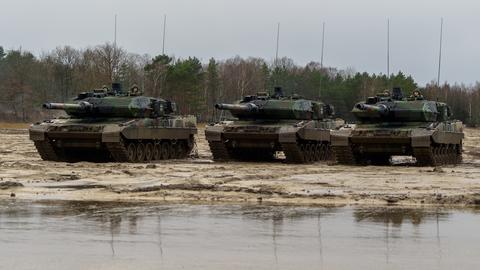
201, 180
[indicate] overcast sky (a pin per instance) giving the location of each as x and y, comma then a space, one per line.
355, 30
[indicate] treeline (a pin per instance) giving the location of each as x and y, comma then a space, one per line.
27, 81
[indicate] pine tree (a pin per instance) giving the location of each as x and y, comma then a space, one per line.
2, 53
212, 89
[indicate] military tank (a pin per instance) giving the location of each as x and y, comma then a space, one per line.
264, 124
390, 124
110, 125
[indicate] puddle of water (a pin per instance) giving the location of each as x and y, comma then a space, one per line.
89, 235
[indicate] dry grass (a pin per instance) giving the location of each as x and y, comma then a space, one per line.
14, 125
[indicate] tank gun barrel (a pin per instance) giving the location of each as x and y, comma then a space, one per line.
82, 106
249, 107
380, 109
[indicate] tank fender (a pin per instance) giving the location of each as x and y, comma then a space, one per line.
287, 134
111, 133
37, 132
448, 137
214, 133
340, 137
421, 138
315, 134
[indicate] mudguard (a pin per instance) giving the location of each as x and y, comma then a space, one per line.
214, 133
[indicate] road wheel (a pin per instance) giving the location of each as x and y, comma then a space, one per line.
156, 152
311, 152
308, 153
458, 153
165, 154
140, 152
132, 152
303, 150
181, 150
436, 156
323, 152
149, 151
172, 150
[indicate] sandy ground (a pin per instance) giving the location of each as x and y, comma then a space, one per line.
24, 175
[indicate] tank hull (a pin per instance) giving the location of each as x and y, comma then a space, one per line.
300, 141
118, 140
431, 144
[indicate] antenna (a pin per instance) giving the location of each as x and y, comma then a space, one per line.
321, 60
114, 67
115, 33
278, 40
388, 48
323, 44
164, 27
470, 111
440, 52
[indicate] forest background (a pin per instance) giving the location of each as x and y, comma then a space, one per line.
27, 81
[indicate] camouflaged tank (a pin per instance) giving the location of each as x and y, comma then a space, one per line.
393, 125
105, 125
264, 125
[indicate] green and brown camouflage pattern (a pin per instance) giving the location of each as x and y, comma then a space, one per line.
108, 126
395, 125
264, 125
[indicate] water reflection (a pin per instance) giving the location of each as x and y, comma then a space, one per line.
397, 216
81, 235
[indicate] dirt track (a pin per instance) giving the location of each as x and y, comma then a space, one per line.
202, 180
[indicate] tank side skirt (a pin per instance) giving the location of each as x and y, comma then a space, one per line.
164, 133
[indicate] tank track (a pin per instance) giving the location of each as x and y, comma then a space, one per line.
293, 153
118, 151
438, 155
344, 155
307, 152
173, 150
47, 151
219, 151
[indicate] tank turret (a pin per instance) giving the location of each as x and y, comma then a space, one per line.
396, 108
278, 107
111, 105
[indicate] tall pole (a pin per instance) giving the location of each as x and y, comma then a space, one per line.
164, 27
321, 60
470, 111
278, 40
114, 67
388, 48
323, 44
115, 33
440, 52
